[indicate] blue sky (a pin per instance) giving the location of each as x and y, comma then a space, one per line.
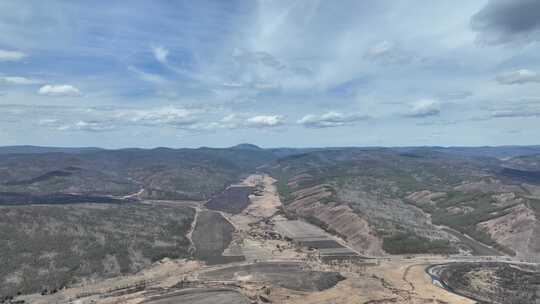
273, 73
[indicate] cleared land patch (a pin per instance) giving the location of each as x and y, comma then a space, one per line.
202, 296
311, 236
288, 275
212, 234
233, 200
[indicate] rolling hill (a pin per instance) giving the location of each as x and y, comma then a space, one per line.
59, 207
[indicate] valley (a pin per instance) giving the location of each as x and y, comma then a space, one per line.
329, 226
270, 152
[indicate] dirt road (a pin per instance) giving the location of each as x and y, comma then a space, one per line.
383, 279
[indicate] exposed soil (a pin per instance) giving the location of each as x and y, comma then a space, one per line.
339, 219
202, 296
283, 265
290, 275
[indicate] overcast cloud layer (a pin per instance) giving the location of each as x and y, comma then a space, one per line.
273, 73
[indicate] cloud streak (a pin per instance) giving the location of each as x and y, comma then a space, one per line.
172, 116
97, 119
17, 80
518, 77
59, 90
265, 121
6, 55
331, 120
424, 108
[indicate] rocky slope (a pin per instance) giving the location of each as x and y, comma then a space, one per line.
435, 197
518, 229
315, 204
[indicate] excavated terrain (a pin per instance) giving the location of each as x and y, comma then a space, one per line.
337, 218
290, 275
413, 202
201, 296
265, 253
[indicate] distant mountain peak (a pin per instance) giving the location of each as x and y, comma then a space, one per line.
246, 146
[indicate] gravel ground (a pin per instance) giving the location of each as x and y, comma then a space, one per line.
283, 274
202, 296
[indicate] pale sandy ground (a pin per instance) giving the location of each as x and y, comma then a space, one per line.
389, 280
249, 238
263, 205
411, 277
407, 280
395, 281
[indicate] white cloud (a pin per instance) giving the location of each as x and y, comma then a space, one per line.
11, 55
17, 80
425, 108
78, 125
161, 116
106, 119
269, 59
261, 121
59, 90
239, 121
160, 53
518, 77
92, 126
109, 118
331, 119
